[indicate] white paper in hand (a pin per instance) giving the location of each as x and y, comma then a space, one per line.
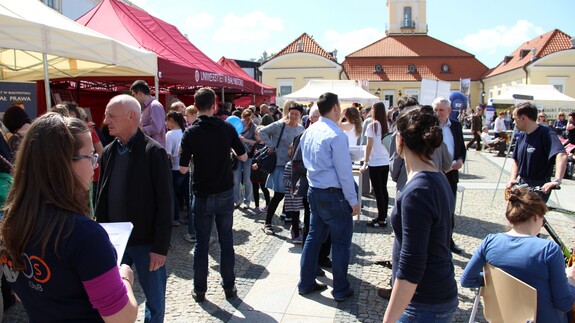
119, 233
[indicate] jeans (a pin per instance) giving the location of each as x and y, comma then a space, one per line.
191, 228
153, 282
178, 182
220, 206
411, 315
330, 213
245, 169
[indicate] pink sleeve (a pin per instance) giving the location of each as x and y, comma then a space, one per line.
107, 292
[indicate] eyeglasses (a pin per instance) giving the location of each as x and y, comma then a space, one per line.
93, 157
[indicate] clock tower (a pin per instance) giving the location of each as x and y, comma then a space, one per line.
406, 17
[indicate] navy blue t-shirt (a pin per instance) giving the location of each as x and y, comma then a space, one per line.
421, 221
535, 153
50, 287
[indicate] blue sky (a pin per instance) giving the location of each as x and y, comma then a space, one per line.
488, 29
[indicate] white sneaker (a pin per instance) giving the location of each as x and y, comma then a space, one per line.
189, 238
245, 206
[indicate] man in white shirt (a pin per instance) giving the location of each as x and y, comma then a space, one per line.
493, 142
500, 125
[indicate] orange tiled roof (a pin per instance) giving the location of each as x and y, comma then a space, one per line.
545, 44
427, 54
409, 46
309, 45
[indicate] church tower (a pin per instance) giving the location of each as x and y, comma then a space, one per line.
406, 17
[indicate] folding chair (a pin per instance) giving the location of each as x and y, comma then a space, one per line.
505, 298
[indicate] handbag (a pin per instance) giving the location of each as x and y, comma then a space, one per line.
267, 159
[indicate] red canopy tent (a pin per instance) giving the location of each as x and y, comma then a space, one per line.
261, 94
180, 64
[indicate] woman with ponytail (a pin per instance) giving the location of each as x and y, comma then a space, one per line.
520, 253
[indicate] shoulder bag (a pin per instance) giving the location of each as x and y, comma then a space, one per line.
267, 159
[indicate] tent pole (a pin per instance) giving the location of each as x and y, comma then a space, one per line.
157, 86
223, 92
46, 81
504, 161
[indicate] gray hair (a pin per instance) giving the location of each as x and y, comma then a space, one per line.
314, 111
128, 102
441, 100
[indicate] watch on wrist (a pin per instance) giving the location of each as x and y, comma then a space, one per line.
558, 181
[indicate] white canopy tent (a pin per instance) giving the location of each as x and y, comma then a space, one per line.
38, 43
347, 91
545, 96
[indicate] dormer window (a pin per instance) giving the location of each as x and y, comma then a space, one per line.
444, 68
523, 53
507, 59
411, 68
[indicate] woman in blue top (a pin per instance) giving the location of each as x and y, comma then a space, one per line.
424, 286
520, 253
60, 262
560, 125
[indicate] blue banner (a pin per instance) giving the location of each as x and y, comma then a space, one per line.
19, 91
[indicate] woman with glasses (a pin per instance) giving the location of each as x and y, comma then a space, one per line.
520, 253
46, 227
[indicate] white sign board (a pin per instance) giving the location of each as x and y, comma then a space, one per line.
431, 89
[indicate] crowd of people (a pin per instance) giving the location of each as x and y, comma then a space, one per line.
154, 164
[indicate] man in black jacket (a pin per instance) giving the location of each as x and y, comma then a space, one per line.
453, 139
136, 186
209, 142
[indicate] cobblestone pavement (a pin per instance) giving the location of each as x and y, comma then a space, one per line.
254, 250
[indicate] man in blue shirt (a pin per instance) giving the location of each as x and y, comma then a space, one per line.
332, 198
538, 150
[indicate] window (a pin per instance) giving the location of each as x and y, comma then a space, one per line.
559, 87
444, 68
285, 89
412, 92
285, 86
389, 100
407, 21
558, 82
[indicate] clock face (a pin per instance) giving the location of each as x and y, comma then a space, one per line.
445, 68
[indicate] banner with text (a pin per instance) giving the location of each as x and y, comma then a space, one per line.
24, 92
